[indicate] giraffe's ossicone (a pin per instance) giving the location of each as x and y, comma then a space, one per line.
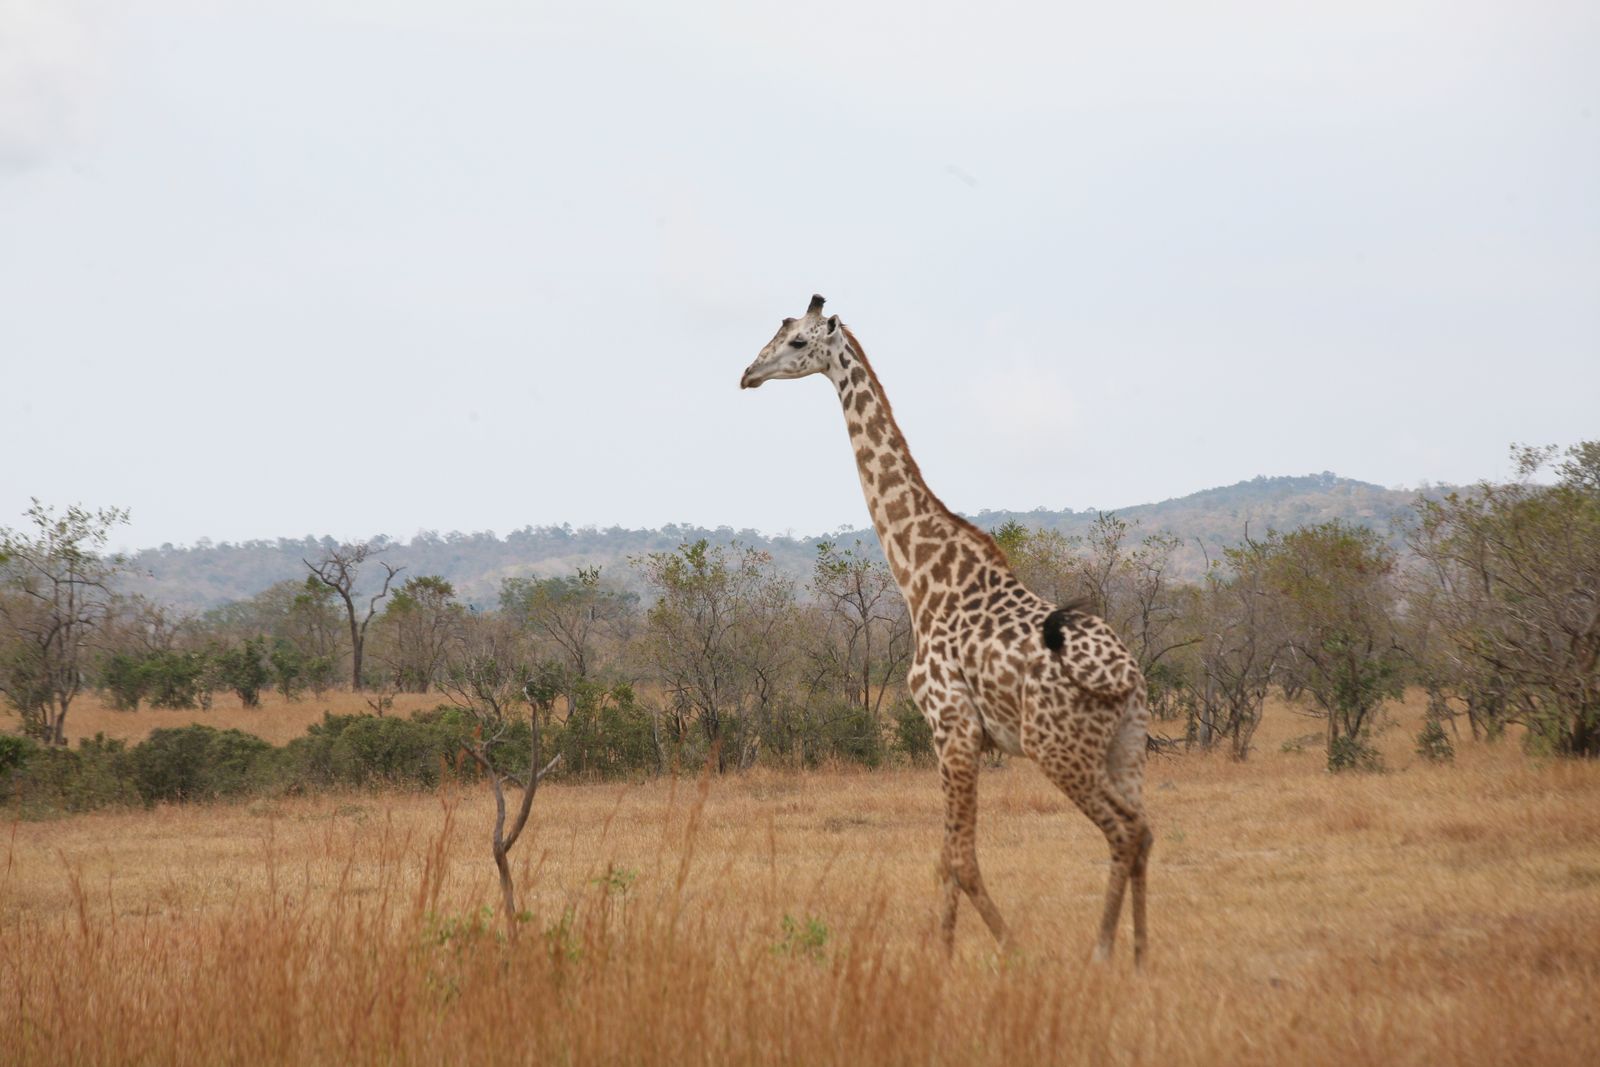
995, 665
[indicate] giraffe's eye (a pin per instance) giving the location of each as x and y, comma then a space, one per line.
799, 342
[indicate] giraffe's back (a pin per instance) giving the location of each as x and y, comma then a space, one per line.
1043, 677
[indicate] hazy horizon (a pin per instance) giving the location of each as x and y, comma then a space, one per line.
356, 266
820, 529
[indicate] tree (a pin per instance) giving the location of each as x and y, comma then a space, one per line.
420, 623
718, 636
55, 594
1131, 587
311, 625
488, 677
1512, 578
573, 613
1336, 604
864, 643
1103, 565
1046, 561
339, 570
136, 634
303, 622
1157, 619
243, 668
1237, 653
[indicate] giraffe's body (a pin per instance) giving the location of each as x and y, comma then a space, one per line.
995, 665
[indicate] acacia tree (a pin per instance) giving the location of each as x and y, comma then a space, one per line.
1158, 619
305, 627
717, 639
338, 570
866, 635
420, 623
1130, 586
1513, 574
55, 595
1046, 561
1237, 652
573, 613
1335, 598
1103, 565
311, 627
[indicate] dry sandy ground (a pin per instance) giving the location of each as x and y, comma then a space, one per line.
1426, 915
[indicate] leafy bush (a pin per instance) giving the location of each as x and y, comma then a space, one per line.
807, 940
364, 750
50, 778
14, 754
124, 680
243, 669
607, 735
1433, 744
167, 678
288, 668
846, 732
174, 679
197, 763
1353, 754
394, 751
913, 735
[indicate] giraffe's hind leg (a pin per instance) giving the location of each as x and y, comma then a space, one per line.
1124, 832
1140, 862
1125, 768
1082, 776
959, 750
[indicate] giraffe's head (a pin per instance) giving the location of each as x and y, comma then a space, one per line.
807, 345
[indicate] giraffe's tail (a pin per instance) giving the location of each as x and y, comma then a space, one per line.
1095, 659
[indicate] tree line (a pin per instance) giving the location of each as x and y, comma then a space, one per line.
1493, 609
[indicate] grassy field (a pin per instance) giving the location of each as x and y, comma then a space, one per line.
276, 720
1426, 915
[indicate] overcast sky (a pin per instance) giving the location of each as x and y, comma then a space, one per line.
343, 268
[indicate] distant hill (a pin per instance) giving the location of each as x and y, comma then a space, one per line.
1219, 518
205, 575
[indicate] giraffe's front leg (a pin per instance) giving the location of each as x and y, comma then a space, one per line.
959, 741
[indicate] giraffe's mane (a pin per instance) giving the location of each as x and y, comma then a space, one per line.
985, 541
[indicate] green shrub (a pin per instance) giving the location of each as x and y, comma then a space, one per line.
807, 940
124, 679
14, 754
395, 751
913, 735
1353, 754
1433, 744
363, 750
607, 735
846, 732
173, 679
53, 779
243, 669
288, 668
197, 763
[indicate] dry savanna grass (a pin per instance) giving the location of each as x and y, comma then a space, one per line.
1426, 915
276, 720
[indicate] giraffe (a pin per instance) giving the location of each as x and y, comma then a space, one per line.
995, 666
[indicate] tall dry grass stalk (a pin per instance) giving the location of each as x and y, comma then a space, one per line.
1429, 915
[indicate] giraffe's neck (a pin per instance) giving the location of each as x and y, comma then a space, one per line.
929, 547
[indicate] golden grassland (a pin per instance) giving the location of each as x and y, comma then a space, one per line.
276, 720
1427, 915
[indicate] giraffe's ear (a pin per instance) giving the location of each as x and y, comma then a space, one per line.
833, 323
